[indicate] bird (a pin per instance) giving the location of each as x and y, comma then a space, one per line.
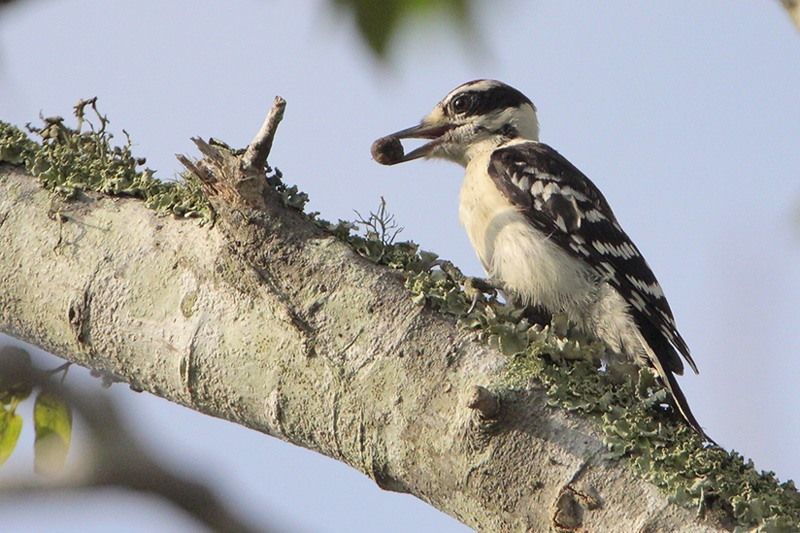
543, 231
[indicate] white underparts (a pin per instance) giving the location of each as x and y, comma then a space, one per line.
537, 270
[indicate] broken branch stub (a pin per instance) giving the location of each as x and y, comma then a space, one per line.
255, 157
233, 178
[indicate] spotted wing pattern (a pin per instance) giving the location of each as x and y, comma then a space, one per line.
564, 204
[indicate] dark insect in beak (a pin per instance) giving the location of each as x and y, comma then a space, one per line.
388, 150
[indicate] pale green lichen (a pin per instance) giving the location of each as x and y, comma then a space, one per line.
290, 195
69, 160
15, 146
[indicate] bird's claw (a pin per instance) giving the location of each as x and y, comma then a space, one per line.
473, 304
476, 288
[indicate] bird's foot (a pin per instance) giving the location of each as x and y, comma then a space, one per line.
536, 314
477, 290
450, 270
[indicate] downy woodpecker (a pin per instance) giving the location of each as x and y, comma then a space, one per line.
542, 229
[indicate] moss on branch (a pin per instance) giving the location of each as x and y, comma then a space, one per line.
68, 160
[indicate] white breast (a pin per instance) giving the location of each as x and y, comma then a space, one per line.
514, 252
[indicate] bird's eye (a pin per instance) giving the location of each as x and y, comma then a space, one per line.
461, 104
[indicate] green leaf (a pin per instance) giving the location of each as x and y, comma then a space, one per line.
10, 428
53, 424
15, 374
378, 22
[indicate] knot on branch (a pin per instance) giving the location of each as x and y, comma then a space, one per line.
485, 406
571, 504
484, 402
78, 316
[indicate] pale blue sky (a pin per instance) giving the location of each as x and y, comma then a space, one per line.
684, 113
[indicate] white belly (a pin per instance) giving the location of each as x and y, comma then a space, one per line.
537, 270
513, 252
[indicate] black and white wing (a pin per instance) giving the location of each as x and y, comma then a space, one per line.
565, 205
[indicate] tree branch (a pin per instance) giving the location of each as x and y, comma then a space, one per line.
268, 321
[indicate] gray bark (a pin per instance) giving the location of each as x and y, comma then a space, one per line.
266, 321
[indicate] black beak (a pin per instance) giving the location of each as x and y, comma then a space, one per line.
394, 154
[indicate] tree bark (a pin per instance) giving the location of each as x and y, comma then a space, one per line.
265, 320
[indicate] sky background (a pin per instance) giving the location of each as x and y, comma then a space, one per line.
684, 113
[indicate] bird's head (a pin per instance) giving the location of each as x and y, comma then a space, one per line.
476, 113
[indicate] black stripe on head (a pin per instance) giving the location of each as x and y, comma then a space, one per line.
480, 97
